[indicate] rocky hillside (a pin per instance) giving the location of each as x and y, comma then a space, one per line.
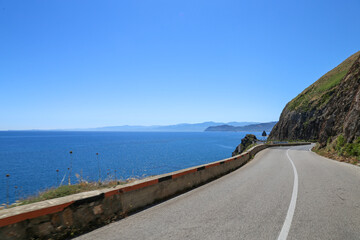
328, 108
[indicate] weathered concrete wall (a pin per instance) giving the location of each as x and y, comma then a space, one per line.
68, 216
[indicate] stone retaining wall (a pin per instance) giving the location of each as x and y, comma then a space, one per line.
68, 216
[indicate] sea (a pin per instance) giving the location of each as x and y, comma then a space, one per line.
33, 161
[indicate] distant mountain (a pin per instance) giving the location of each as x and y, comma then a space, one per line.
221, 128
249, 128
241, 124
183, 127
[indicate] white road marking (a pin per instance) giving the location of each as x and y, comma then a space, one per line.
289, 216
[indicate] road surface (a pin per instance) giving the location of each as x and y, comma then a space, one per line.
283, 193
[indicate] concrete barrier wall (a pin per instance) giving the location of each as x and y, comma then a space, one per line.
68, 216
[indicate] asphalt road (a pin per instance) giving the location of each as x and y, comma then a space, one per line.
283, 193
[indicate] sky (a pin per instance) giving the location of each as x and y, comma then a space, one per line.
81, 64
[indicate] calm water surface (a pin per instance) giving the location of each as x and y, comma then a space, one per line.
32, 158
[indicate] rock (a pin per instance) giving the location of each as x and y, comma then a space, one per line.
14, 231
245, 142
45, 229
264, 134
67, 217
97, 210
82, 216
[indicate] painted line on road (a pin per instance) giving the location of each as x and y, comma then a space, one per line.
289, 216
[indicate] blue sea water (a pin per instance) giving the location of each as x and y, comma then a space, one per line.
31, 158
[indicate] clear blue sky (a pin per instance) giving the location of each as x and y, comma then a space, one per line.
71, 64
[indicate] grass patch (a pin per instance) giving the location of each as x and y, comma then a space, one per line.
320, 92
250, 146
348, 149
331, 82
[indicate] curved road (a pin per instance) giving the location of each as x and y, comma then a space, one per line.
283, 193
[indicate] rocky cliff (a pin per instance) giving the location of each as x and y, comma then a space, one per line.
246, 142
328, 108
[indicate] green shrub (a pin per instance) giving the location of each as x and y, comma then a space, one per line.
340, 143
353, 149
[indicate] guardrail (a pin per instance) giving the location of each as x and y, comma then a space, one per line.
68, 216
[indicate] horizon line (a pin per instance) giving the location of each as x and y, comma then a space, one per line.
126, 125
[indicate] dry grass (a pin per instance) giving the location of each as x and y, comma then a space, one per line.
333, 154
319, 93
66, 190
